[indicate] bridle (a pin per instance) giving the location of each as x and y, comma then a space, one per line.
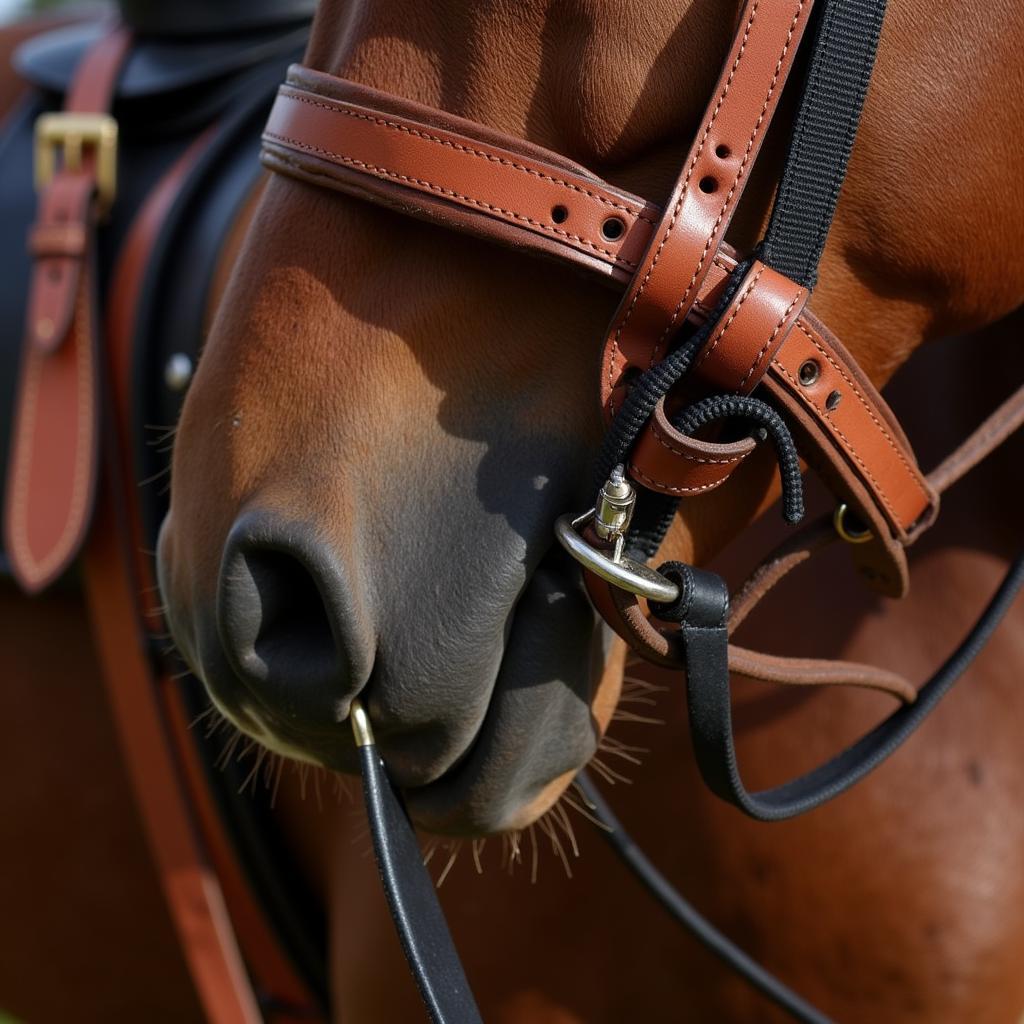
703, 336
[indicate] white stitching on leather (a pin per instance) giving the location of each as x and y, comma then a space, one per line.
768, 344
483, 154
35, 571
386, 172
616, 338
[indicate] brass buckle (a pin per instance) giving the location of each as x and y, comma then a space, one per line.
71, 134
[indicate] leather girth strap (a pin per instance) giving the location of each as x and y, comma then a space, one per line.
55, 441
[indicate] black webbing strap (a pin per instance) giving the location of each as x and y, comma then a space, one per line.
842, 57
702, 611
409, 889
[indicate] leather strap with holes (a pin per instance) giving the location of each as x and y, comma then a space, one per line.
55, 443
700, 207
442, 168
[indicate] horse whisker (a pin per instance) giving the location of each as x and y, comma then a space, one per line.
608, 774
457, 846
621, 715
478, 848
583, 812
548, 829
533, 843
561, 817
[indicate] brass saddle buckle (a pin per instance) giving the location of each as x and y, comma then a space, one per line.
71, 134
611, 516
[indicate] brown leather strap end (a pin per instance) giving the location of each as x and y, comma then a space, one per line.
669, 462
54, 457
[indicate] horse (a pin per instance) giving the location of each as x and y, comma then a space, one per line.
511, 448
388, 418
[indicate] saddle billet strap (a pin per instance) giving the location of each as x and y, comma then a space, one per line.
55, 441
699, 209
410, 892
444, 169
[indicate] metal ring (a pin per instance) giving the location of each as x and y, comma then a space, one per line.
360, 724
850, 536
634, 577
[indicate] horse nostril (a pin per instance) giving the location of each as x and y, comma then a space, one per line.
286, 624
289, 621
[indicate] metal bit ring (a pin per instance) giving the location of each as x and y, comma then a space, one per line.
634, 577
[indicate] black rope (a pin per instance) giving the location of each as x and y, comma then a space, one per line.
655, 383
655, 511
743, 407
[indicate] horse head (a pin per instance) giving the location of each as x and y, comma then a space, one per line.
388, 416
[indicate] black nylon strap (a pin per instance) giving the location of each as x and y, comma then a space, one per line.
843, 55
710, 712
417, 915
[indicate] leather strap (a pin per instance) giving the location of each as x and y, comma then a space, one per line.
704, 198
663, 646
55, 440
705, 641
211, 939
843, 426
735, 359
412, 899
445, 169
751, 331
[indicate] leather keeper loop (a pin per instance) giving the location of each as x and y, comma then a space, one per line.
56, 241
669, 462
750, 332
